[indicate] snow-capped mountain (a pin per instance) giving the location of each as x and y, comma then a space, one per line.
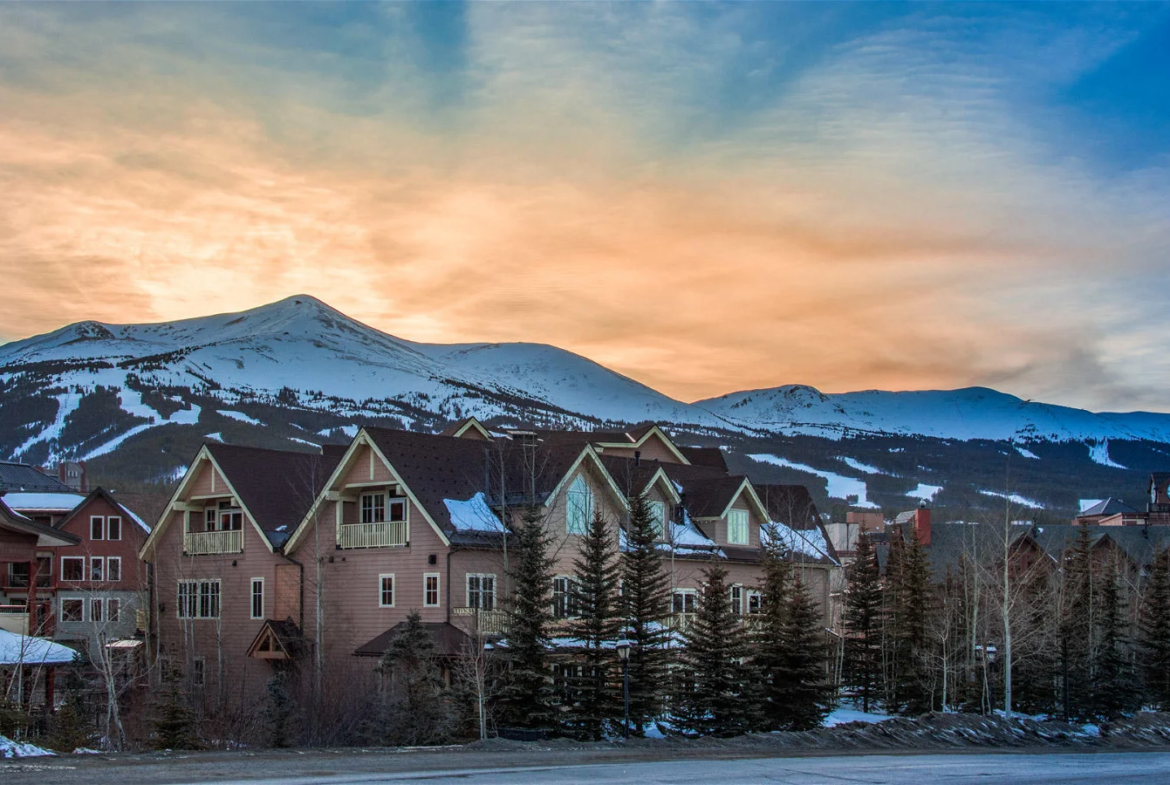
140, 398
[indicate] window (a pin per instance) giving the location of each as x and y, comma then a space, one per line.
386, 591
44, 570
685, 601
113, 609
18, 574
231, 518
431, 590
737, 527
97, 527
113, 568
96, 571
481, 591
95, 610
755, 602
373, 508
564, 598
580, 511
72, 568
257, 598
72, 609
211, 519
658, 515
737, 599
198, 672
113, 528
198, 599
397, 509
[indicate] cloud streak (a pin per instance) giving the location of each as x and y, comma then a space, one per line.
674, 191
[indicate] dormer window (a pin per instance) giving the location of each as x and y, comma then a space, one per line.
737, 527
658, 518
380, 508
580, 511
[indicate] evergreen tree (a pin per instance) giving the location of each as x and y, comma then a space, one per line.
1155, 633
174, 722
596, 697
720, 699
1037, 653
646, 608
526, 698
862, 621
804, 695
911, 642
770, 653
68, 729
278, 712
1114, 682
1076, 628
415, 710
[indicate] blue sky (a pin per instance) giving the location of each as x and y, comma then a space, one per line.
846, 195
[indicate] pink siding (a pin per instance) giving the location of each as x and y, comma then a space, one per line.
202, 485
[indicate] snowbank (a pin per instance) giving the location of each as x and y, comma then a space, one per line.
17, 749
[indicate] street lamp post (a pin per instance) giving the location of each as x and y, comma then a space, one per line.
623, 653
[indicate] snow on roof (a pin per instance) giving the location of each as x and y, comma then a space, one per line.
134, 517
473, 515
43, 501
809, 543
16, 649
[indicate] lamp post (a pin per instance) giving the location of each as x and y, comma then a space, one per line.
623, 653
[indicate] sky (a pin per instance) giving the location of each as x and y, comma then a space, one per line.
704, 197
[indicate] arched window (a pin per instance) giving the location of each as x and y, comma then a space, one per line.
580, 506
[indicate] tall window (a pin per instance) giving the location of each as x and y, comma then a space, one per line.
95, 609
199, 599
113, 528
198, 671
257, 598
658, 515
737, 527
481, 591
97, 528
685, 601
580, 510
113, 568
209, 599
113, 609
373, 507
737, 599
231, 518
755, 602
96, 571
386, 591
72, 568
564, 598
211, 519
431, 590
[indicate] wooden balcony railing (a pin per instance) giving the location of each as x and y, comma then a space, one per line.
207, 543
489, 622
388, 534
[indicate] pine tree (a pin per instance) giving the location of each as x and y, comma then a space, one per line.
804, 694
526, 699
1076, 629
910, 639
1155, 633
597, 627
646, 608
862, 621
174, 722
278, 712
768, 642
720, 700
1037, 655
416, 710
1114, 682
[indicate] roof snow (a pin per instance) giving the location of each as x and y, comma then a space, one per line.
42, 501
473, 515
16, 648
809, 543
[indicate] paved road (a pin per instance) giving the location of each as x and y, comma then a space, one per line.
1111, 768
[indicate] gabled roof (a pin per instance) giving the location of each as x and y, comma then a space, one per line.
635, 477
793, 506
460, 429
278, 640
711, 457
23, 477
102, 493
450, 641
711, 498
43, 501
47, 536
1105, 508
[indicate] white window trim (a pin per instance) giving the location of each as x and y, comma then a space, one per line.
467, 586
742, 516
97, 560
100, 603
737, 610
198, 599
83, 566
438, 590
570, 609
109, 616
117, 518
658, 512
579, 497
61, 609
393, 590
106, 570
252, 598
747, 602
693, 592
101, 529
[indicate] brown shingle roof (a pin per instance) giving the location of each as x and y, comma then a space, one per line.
450, 641
711, 457
708, 498
276, 486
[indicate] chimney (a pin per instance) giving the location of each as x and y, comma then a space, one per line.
922, 525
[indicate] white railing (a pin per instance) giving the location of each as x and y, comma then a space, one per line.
206, 543
372, 535
493, 622
14, 618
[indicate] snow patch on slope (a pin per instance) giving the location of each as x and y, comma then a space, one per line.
1099, 453
839, 486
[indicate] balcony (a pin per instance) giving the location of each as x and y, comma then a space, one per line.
14, 618
387, 534
208, 543
488, 622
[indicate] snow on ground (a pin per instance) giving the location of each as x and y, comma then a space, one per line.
113, 444
67, 403
303, 441
215, 437
925, 492
1099, 452
1027, 453
1015, 498
473, 515
840, 486
843, 715
16, 749
185, 416
853, 463
238, 416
